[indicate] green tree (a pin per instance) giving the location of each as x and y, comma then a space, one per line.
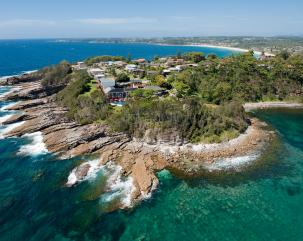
122, 78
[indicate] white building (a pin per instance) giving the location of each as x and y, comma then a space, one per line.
130, 67
96, 71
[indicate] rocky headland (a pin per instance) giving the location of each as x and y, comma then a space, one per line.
139, 159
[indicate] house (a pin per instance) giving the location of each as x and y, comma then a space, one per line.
99, 76
106, 83
140, 61
152, 72
96, 71
120, 64
158, 90
166, 72
80, 66
130, 67
133, 83
119, 94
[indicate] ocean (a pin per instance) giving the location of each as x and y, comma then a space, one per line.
261, 200
17, 56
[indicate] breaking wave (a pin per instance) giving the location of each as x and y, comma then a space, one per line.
117, 187
7, 106
5, 118
8, 128
231, 163
36, 147
78, 175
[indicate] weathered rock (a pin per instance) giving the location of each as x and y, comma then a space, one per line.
66, 139
144, 177
28, 104
17, 118
22, 79
139, 159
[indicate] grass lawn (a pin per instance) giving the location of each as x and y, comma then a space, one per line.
93, 85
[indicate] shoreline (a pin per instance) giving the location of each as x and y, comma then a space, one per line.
137, 159
234, 49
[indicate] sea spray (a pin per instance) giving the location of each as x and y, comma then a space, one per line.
36, 147
8, 128
76, 177
7, 106
4, 118
231, 163
9, 91
117, 188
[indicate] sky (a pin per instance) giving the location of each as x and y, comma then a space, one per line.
148, 18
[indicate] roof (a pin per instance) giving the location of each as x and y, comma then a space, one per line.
131, 66
107, 83
117, 90
96, 70
153, 87
108, 89
140, 60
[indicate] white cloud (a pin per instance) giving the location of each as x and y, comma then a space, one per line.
26, 23
117, 21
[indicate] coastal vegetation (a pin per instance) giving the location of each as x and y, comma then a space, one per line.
92, 60
195, 57
186, 120
86, 104
122, 77
242, 78
203, 103
56, 75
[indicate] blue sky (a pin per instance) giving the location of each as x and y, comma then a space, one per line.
148, 18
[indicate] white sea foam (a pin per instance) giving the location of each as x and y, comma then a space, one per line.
11, 90
5, 118
231, 163
7, 106
17, 75
116, 185
28, 72
36, 147
94, 168
119, 186
9, 128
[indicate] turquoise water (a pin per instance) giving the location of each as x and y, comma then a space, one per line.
24, 55
263, 201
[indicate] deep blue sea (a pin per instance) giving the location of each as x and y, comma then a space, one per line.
262, 201
24, 55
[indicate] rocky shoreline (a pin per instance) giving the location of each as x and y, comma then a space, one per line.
138, 160
272, 105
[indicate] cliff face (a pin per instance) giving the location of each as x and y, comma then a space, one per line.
139, 159
28, 87
31, 77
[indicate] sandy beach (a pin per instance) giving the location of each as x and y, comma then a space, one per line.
235, 49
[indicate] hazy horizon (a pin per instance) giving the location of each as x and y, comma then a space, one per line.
34, 19
155, 37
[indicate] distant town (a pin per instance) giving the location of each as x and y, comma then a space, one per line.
274, 45
119, 77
